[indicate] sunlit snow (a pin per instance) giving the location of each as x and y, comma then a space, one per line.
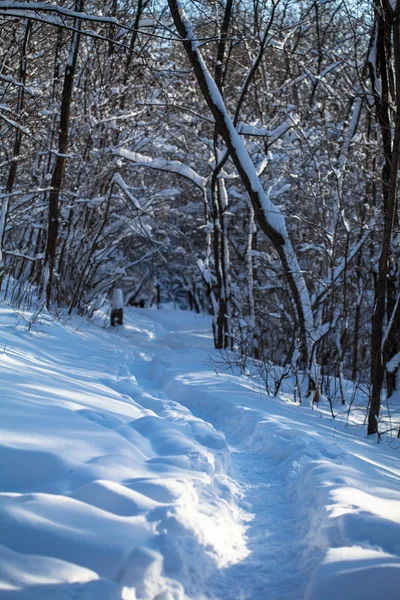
131, 467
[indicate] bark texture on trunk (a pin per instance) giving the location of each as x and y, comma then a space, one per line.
61, 159
387, 32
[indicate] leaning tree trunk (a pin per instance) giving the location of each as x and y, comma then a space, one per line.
268, 216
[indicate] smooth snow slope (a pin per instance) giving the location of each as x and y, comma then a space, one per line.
130, 468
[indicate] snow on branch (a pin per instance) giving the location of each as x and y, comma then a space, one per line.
393, 363
349, 133
118, 180
56, 15
59, 21
14, 82
274, 219
268, 215
161, 164
273, 134
25, 256
22, 9
389, 331
309, 75
343, 263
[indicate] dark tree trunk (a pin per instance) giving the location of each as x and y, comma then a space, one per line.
12, 174
61, 159
388, 35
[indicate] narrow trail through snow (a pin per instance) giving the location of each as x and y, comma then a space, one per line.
276, 567
273, 569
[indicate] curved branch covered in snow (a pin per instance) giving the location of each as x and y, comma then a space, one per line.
269, 217
160, 164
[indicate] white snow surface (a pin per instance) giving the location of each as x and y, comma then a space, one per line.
130, 467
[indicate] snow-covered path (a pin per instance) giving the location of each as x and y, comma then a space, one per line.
275, 530
273, 568
131, 468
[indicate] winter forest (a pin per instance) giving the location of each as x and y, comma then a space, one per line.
241, 157
236, 160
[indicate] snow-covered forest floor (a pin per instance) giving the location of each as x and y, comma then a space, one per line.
130, 467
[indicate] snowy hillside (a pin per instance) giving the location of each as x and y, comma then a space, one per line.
131, 468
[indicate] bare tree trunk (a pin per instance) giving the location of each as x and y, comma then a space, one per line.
61, 160
222, 267
17, 144
141, 6
357, 319
387, 29
220, 206
85, 270
254, 350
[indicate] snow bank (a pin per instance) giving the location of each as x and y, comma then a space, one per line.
101, 495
